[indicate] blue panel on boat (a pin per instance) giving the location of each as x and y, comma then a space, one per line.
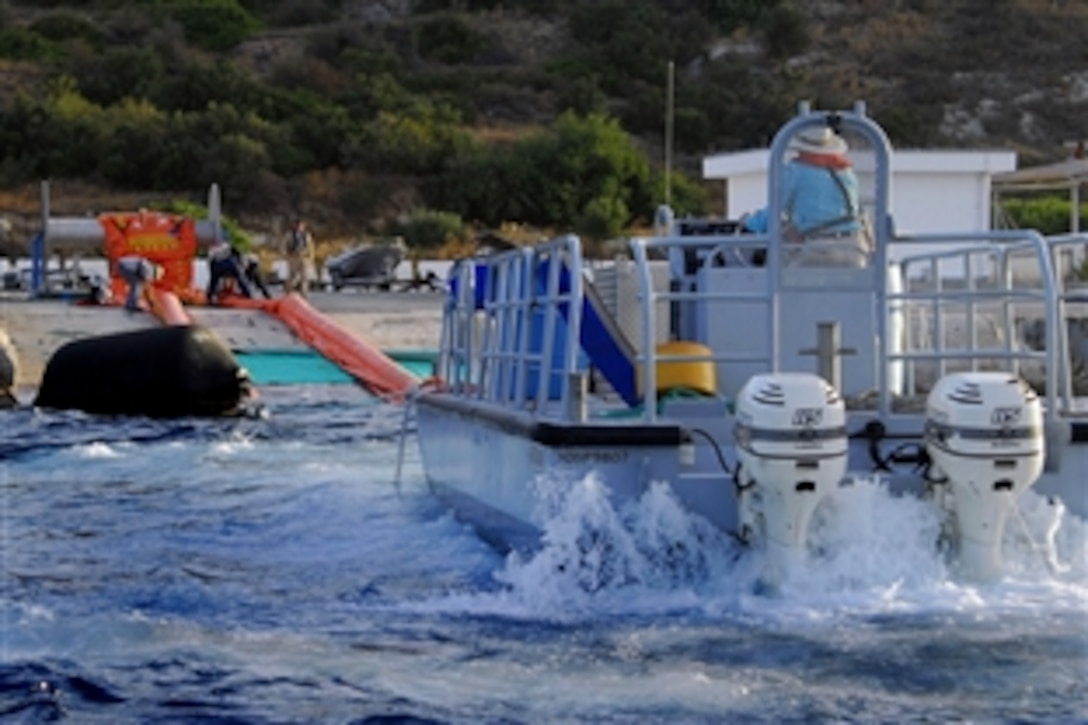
602, 339
559, 352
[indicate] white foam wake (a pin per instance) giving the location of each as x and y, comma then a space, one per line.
869, 551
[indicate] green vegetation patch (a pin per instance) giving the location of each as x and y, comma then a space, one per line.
213, 24
24, 44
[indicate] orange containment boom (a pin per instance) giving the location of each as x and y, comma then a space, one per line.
167, 307
372, 368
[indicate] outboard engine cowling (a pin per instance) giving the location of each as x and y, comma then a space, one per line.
984, 434
791, 441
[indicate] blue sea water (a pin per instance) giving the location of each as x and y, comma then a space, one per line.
276, 571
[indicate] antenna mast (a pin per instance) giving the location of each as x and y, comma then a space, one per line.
669, 133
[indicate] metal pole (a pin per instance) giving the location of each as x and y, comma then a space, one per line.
828, 352
577, 410
1074, 220
40, 261
669, 100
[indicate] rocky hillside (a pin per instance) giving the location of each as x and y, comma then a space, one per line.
1007, 73
979, 73
970, 73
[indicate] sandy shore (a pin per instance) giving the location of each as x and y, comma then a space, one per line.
390, 320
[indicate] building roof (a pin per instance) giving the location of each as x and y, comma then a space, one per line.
1060, 175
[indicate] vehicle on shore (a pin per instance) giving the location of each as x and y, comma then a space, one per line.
372, 265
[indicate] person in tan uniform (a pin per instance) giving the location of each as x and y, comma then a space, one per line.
299, 251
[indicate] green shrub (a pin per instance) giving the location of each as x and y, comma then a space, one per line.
582, 95
1047, 214
126, 71
430, 229
197, 85
376, 59
238, 236
786, 32
603, 217
310, 74
447, 38
687, 197
213, 24
61, 3
318, 132
417, 143
132, 152
540, 7
21, 44
582, 174
624, 41
60, 27
299, 13
729, 15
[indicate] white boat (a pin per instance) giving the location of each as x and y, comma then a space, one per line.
754, 392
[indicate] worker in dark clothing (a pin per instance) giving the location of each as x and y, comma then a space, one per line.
252, 269
225, 267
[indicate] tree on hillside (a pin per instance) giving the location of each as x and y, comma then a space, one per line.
581, 174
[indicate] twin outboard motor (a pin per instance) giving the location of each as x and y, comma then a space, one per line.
984, 435
792, 446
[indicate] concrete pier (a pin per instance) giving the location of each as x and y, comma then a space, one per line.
390, 320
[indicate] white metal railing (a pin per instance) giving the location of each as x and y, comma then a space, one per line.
706, 248
989, 253
512, 331
998, 247
513, 325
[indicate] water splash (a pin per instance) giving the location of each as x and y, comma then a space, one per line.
869, 551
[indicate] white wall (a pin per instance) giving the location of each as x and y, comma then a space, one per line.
932, 191
929, 203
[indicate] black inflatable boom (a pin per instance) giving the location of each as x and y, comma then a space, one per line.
163, 372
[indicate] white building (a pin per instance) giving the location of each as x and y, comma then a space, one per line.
932, 191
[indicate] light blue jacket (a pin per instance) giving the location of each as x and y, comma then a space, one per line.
812, 202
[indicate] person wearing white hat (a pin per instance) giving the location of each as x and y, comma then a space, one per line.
819, 190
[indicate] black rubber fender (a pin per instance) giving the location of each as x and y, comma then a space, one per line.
8, 367
161, 372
